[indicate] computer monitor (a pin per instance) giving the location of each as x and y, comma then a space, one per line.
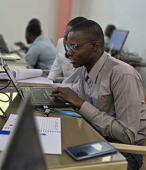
23, 149
8, 71
3, 46
117, 40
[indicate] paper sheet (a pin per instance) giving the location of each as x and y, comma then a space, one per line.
3, 140
36, 80
49, 130
23, 74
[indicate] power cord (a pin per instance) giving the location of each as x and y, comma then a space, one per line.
6, 85
4, 114
38, 110
7, 96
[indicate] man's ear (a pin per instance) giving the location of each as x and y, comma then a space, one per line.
95, 45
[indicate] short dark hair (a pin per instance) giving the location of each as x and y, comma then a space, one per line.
91, 29
75, 21
35, 21
34, 29
111, 27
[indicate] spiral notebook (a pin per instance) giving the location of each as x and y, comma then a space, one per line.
49, 129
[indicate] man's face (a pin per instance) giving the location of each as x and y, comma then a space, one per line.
82, 56
108, 32
27, 37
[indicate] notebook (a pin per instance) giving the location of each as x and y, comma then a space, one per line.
49, 129
23, 149
39, 96
15, 67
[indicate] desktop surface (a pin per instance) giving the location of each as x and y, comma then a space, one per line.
75, 131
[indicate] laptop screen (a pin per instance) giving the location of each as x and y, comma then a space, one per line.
23, 149
3, 45
8, 71
117, 40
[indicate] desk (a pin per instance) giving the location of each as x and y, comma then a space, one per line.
75, 131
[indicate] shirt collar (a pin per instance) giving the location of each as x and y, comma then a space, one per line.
96, 68
38, 38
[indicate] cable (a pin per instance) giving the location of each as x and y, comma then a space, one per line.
4, 114
38, 110
7, 96
6, 85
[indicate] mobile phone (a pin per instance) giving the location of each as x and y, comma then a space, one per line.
90, 150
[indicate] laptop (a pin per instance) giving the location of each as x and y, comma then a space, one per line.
15, 67
39, 96
117, 40
23, 149
3, 46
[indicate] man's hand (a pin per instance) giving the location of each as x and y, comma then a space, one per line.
69, 95
22, 46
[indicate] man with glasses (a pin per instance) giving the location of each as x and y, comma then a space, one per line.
110, 92
62, 62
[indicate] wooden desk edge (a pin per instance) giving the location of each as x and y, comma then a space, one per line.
120, 165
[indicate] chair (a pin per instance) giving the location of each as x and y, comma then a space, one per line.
59, 79
132, 149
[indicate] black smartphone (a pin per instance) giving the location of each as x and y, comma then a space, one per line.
90, 150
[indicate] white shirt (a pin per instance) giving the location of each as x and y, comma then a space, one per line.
61, 63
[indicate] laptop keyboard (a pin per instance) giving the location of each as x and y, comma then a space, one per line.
14, 67
39, 95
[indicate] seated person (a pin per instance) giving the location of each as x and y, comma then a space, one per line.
62, 62
41, 54
110, 94
108, 33
21, 44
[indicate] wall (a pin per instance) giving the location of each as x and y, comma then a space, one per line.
125, 14
15, 14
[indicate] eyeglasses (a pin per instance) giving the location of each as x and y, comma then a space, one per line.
74, 47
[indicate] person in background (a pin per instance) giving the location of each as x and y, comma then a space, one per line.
108, 33
62, 62
21, 44
110, 94
41, 54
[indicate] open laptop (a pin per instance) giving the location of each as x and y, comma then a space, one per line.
4, 48
117, 40
23, 149
39, 96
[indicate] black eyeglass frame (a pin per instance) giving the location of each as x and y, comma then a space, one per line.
73, 47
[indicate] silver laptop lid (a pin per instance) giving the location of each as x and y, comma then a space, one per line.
23, 150
117, 39
14, 81
3, 45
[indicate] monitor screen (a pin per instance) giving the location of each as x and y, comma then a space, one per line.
117, 40
3, 45
8, 71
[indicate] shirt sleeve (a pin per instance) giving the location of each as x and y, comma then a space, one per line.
128, 100
73, 86
56, 68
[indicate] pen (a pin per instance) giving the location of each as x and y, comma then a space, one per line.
69, 113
